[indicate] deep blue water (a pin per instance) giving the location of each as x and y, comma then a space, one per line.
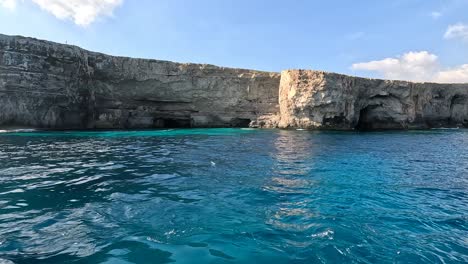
234, 196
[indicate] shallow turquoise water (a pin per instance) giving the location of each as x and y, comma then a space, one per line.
234, 196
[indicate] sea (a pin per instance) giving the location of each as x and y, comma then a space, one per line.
233, 196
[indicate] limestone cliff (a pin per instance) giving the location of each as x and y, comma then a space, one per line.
320, 100
50, 85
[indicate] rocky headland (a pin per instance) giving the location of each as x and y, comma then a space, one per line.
55, 86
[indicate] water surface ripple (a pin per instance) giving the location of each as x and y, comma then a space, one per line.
234, 196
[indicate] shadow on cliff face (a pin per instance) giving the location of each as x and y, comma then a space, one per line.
459, 111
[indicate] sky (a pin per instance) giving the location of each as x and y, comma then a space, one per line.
419, 40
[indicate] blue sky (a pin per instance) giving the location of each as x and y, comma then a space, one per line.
394, 38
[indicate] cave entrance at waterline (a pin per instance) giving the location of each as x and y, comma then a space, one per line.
189, 123
364, 122
240, 122
172, 123
379, 117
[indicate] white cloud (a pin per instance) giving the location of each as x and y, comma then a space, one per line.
459, 30
419, 66
436, 15
82, 12
416, 66
455, 75
8, 4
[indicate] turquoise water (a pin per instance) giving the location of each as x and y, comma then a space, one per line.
234, 196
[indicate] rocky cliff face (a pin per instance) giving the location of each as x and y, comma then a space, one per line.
320, 100
49, 85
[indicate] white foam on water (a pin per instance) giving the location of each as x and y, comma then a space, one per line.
325, 234
21, 130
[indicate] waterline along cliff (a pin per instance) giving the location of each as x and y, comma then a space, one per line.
56, 86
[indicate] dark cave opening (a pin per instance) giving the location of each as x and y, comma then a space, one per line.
364, 124
188, 123
172, 123
240, 122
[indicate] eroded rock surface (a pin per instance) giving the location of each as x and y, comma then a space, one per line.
321, 100
50, 85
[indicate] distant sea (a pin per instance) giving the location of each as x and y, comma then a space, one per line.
234, 196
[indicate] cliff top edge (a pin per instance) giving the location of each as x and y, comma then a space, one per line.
19, 38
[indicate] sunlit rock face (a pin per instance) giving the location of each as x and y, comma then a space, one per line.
49, 85
321, 100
